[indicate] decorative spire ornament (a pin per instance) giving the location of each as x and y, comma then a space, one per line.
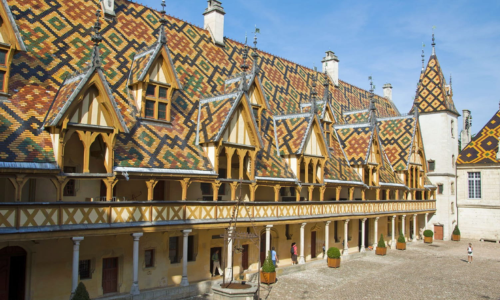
373, 109
255, 56
162, 37
314, 94
97, 39
433, 41
326, 87
423, 60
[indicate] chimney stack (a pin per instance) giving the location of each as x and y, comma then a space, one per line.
214, 21
108, 7
388, 91
331, 66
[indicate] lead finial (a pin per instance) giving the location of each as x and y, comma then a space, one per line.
244, 65
97, 39
326, 85
423, 60
257, 30
433, 41
162, 38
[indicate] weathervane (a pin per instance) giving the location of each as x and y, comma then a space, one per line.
257, 30
423, 46
433, 41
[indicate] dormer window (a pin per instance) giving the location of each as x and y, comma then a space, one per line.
4, 65
3, 57
157, 102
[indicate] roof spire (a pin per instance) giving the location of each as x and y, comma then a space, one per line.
373, 109
162, 37
255, 56
326, 85
314, 94
423, 60
96, 38
433, 41
244, 65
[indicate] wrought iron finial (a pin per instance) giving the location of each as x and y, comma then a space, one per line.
97, 39
244, 65
423, 56
257, 30
433, 41
162, 37
326, 85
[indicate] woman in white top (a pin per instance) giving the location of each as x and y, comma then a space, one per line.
469, 253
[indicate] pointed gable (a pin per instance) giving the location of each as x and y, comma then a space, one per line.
431, 93
291, 131
484, 147
314, 143
337, 167
9, 33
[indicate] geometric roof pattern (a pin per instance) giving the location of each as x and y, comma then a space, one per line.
355, 140
483, 147
337, 167
354, 117
432, 94
396, 135
291, 132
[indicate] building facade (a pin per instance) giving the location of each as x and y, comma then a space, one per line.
126, 137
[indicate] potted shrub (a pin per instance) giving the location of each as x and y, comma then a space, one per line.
268, 273
428, 234
456, 234
401, 243
81, 293
381, 248
333, 257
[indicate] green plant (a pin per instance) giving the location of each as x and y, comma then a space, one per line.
456, 231
381, 243
428, 233
333, 252
401, 238
268, 266
81, 293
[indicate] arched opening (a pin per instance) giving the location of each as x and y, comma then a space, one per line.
7, 190
73, 154
12, 273
97, 156
235, 166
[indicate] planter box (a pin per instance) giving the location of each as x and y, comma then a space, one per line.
381, 251
267, 277
333, 262
427, 239
400, 246
455, 237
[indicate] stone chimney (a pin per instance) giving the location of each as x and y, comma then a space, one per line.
214, 21
108, 7
388, 91
331, 66
465, 135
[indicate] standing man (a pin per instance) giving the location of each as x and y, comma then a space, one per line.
215, 259
274, 257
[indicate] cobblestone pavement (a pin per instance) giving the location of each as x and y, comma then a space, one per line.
424, 271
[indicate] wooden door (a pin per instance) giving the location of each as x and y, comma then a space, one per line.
110, 275
4, 277
313, 244
244, 257
438, 232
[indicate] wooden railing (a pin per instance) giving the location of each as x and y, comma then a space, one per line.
30, 217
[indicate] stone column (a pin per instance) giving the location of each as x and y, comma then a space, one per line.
414, 227
346, 237
76, 262
228, 272
268, 238
184, 281
301, 257
135, 264
403, 220
327, 237
425, 223
393, 241
363, 235
375, 225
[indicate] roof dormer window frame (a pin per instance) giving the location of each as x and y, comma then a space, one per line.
5, 68
161, 101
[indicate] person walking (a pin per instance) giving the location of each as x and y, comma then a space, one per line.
469, 253
216, 262
323, 250
274, 256
293, 251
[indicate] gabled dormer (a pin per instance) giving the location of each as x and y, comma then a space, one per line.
153, 80
10, 42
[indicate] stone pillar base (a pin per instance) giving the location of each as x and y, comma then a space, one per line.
135, 289
184, 281
362, 249
228, 274
302, 260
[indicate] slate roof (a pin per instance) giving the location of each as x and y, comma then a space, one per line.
483, 147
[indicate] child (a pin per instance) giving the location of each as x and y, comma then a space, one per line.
469, 253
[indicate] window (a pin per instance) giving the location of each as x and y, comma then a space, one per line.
474, 185
2, 80
452, 188
156, 102
452, 125
149, 258
174, 249
453, 160
440, 189
84, 269
3, 57
70, 187
191, 254
432, 165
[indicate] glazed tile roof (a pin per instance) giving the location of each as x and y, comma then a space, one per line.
291, 131
213, 114
358, 116
483, 147
355, 140
386, 172
431, 93
396, 135
337, 167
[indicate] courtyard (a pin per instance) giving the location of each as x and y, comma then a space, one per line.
437, 271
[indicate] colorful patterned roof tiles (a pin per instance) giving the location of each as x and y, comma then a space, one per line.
355, 140
291, 131
213, 114
483, 148
337, 167
396, 135
358, 116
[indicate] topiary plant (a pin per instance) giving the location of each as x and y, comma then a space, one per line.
268, 266
456, 231
333, 252
381, 243
81, 292
401, 238
428, 233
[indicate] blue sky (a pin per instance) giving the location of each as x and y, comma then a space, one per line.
378, 38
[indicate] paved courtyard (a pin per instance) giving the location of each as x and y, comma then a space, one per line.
436, 271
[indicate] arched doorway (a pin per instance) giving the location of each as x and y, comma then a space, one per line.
12, 273
263, 253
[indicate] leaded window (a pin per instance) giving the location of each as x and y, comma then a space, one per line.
474, 185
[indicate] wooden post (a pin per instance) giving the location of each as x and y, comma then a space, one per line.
233, 185
241, 156
322, 190
363, 194
253, 187
215, 187
370, 175
18, 183
59, 182
151, 187
185, 183
311, 191
110, 183
377, 194
277, 189
297, 192
397, 194
337, 193
306, 170
229, 156
315, 175
351, 193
